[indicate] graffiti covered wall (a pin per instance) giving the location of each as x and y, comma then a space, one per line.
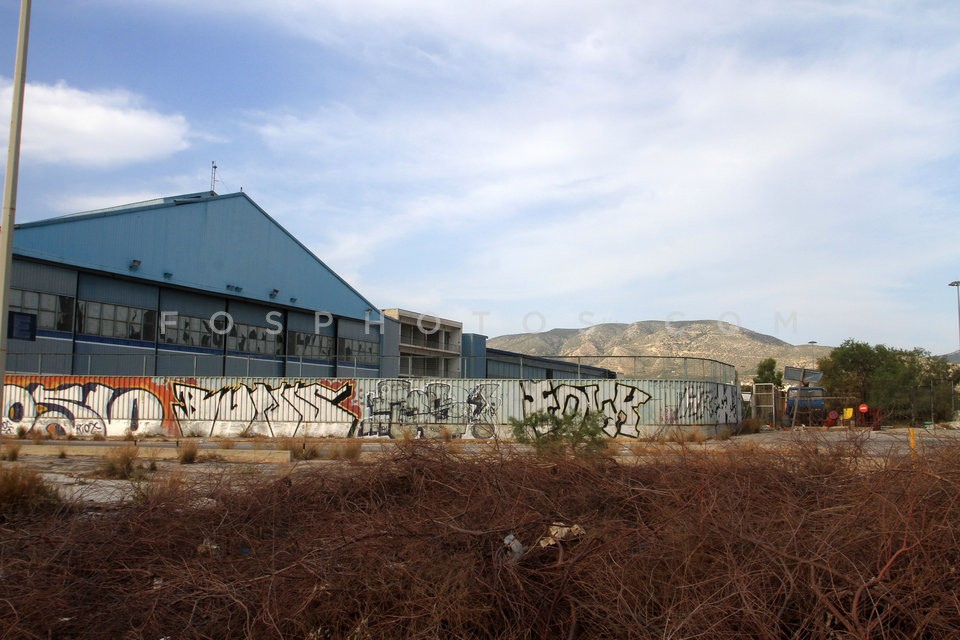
277, 407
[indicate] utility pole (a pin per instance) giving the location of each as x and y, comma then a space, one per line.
7, 221
953, 404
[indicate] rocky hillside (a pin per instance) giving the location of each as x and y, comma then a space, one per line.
697, 338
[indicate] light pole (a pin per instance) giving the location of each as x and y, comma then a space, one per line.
953, 395
956, 283
7, 215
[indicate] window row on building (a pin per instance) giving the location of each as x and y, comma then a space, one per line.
122, 323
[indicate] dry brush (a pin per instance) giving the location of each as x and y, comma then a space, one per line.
805, 546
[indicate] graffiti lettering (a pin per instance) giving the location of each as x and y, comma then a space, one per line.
79, 409
227, 407
287, 409
705, 403
620, 405
438, 404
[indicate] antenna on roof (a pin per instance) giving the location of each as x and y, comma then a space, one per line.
213, 177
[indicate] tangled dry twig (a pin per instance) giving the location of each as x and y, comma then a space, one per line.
807, 545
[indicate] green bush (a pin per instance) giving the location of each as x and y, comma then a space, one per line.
562, 433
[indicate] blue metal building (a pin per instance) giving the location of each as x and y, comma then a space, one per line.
200, 284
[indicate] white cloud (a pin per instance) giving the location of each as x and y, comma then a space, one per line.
77, 203
70, 126
732, 143
631, 158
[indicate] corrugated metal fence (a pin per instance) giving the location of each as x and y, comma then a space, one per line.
348, 407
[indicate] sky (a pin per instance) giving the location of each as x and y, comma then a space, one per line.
790, 167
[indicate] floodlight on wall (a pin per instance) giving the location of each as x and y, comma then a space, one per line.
167, 275
233, 287
293, 300
134, 264
273, 294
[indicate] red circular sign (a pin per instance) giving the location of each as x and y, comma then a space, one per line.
864, 408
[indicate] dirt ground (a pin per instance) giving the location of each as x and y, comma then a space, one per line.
79, 477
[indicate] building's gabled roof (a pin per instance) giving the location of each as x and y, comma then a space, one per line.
224, 244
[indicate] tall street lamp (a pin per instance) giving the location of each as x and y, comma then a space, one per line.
956, 283
953, 394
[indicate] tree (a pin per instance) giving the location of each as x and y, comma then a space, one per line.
767, 372
848, 369
906, 385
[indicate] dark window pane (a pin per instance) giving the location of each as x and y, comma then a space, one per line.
149, 325
65, 313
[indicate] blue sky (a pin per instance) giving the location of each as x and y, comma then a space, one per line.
790, 167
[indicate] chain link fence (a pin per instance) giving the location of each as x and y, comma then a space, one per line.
521, 366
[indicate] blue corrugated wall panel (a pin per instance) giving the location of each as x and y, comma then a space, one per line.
206, 243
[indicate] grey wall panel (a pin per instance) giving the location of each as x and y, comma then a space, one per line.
177, 363
35, 276
254, 314
358, 329
190, 304
44, 355
243, 366
307, 323
117, 291
97, 358
295, 368
390, 349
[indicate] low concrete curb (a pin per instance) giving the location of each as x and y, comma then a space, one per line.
155, 453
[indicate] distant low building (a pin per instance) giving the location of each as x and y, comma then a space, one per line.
429, 346
487, 362
434, 347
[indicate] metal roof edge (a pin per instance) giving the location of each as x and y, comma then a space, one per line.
133, 207
373, 308
186, 199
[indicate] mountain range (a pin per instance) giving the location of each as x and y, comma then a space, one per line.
710, 339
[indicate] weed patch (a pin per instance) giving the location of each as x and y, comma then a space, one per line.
188, 452
342, 451
23, 490
120, 462
10, 451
